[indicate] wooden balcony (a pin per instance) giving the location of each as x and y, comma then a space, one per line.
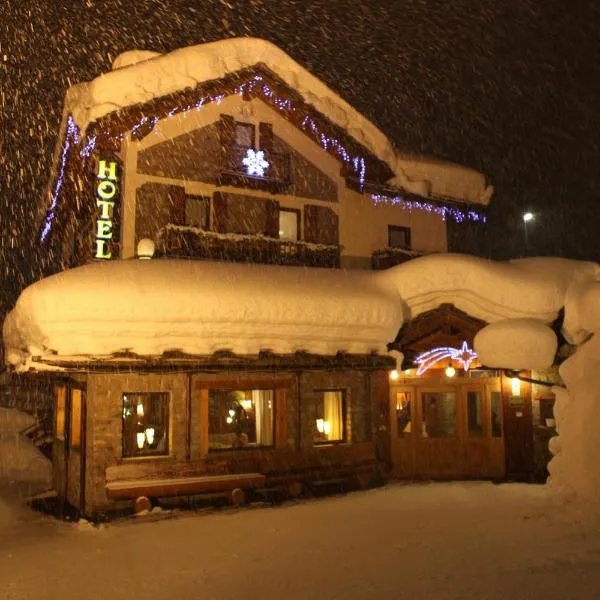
276, 178
191, 243
384, 258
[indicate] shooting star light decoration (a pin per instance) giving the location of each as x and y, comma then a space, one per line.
464, 355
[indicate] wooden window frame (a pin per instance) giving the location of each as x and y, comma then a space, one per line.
281, 388
298, 212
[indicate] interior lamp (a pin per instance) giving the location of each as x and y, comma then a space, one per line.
394, 375
150, 435
139, 409
141, 439
515, 384
450, 371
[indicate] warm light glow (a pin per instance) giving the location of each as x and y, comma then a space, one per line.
528, 216
150, 435
464, 355
139, 409
327, 428
246, 404
229, 420
394, 375
407, 371
231, 412
320, 425
450, 371
141, 439
515, 384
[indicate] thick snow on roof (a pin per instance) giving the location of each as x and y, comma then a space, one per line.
582, 311
197, 307
516, 344
141, 76
491, 291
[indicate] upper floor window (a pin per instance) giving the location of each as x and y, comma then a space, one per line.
289, 224
244, 134
398, 237
197, 211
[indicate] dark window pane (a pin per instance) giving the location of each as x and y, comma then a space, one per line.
398, 237
145, 424
496, 408
439, 414
244, 135
196, 211
475, 427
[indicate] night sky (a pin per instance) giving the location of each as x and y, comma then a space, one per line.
509, 87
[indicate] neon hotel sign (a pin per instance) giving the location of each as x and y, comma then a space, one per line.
106, 195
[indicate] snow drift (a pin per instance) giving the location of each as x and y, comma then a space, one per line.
516, 344
198, 307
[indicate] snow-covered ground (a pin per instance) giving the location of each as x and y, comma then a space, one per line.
435, 541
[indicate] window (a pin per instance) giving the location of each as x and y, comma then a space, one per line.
243, 135
61, 399
75, 424
547, 412
145, 424
240, 419
289, 221
197, 210
475, 427
398, 237
330, 418
496, 408
439, 414
403, 413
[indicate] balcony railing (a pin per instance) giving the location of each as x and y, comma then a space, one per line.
275, 177
384, 258
176, 241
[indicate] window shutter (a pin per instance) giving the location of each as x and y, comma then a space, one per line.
321, 225
311, 225
265, 137
226, 137
220, 212
176, 197
272, 219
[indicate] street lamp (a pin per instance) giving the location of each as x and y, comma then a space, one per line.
528, 216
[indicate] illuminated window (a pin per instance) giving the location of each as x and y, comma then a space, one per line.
330, 417
59, 411
145, 424
240, 419
76, 423
289, 220
403, 413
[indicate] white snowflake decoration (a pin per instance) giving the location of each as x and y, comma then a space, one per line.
255, 162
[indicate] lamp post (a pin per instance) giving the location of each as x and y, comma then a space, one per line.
528, 216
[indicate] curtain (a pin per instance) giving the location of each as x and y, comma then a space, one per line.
263, 409
332, 405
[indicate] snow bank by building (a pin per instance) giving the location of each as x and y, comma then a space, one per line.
141, 76
582, 311
491, 291
20, 460
516, 344
199, 307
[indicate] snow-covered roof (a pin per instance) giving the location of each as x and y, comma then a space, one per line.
197, 307
141, 76
487, 290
